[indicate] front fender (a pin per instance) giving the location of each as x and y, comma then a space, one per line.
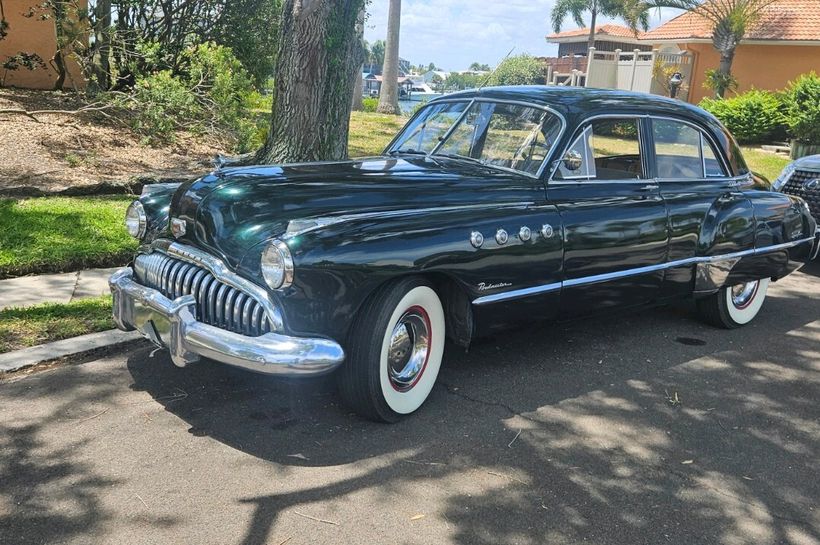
337, 267
156, 200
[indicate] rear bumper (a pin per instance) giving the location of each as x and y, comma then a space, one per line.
172, 324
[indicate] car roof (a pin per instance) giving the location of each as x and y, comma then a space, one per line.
574, 102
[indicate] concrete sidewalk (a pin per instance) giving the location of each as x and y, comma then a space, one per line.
53, 288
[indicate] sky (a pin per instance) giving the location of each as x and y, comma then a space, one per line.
455, 33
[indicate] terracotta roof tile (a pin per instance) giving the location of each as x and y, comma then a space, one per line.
603, 30
782, 20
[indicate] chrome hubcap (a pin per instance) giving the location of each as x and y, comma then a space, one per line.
742, 294
409, 349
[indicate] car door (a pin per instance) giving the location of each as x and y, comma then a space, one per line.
709, 215
614, 218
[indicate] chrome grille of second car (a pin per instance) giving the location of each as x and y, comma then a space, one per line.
217, 303
796, 186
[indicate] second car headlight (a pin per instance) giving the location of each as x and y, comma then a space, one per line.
277, 265
785, 174
136, 222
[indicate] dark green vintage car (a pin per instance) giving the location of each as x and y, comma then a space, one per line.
490, 208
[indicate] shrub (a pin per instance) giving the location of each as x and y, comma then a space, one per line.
719, 82
225, 90
370, 104
161, 104
754, 116
519, 70
209, 92
802, 98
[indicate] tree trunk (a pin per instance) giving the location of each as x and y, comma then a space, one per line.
58, 61
389, 96
102, 42
358, 105
593, 10
319, 52
725, 68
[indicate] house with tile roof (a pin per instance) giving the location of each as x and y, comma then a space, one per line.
783, 44
607, 38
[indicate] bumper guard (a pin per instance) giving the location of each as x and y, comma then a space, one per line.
172, 324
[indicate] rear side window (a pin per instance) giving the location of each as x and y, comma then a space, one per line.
682, 152
608, 149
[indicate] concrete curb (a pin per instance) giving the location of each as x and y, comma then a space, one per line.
26, 357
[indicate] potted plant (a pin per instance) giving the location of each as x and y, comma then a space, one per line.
803, 115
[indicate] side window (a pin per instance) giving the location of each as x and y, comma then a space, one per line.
682, 152
580, 150
677, 150
609, 149
710, 161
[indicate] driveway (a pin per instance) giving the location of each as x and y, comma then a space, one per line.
645, 428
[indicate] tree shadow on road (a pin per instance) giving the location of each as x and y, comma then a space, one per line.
607, 430
50, 492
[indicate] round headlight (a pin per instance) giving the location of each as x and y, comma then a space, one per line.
136, 221
277, 265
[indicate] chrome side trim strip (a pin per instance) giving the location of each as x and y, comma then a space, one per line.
302, 226
516, 294
221, 272
525, 292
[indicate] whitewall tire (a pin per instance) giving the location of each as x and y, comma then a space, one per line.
734, 306
395, 351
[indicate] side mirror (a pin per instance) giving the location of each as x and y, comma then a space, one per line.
572, 160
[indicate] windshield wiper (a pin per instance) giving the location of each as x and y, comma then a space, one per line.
409, 150
460, 157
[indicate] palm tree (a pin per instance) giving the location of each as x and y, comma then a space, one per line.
633, 12
389, 95
375, 54
730, 20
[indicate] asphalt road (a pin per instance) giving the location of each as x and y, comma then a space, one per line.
648, 428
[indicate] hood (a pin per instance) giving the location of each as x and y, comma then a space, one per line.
810, 162
232, 210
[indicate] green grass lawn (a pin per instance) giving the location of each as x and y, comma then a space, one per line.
370, 133
763, 162
53, 234
40, 324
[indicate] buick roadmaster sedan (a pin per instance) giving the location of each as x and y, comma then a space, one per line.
490, 208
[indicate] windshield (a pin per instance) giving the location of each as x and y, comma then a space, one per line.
496, 134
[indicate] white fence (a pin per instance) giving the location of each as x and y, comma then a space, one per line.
643, 71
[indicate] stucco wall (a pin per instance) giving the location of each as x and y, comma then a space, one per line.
33, 35
768, 67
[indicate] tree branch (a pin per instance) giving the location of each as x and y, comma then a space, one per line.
32, 114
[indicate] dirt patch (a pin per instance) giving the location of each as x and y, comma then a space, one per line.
59, 152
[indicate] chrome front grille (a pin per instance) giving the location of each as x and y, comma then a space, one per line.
217, 303
796, 186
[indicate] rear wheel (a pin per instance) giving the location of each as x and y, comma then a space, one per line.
395, 351
734, 306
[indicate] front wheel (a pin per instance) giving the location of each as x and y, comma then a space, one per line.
734, 306
395, 351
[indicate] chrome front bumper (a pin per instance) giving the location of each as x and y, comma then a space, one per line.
172, 324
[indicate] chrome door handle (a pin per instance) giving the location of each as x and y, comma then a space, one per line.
649, 187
